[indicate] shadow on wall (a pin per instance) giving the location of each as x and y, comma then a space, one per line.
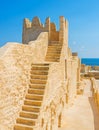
95, 113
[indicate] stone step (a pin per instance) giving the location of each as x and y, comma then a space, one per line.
36, 72
40, 68
30, 108
36, 91
38, 81
54, 52
34, 97
52, 60
28, 115
53, 49
42, 77
37, 86
54, 42
40, 65
32, 103
55, 45
30, 122
52, 56
22, 127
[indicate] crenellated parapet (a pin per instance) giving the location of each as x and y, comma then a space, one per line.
27, 23
36, 22
32, 29
63, 32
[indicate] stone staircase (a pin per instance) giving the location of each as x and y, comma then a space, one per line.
34, 98
53, 51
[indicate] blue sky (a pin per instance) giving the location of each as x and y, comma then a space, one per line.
82, 15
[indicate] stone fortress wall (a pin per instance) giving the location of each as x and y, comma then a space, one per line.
15, 65
31, 30
95, 90
92, 73
39, 47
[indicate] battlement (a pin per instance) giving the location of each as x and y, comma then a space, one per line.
32, 29
74, 54
36, 23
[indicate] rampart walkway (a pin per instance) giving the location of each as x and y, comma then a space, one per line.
83, 115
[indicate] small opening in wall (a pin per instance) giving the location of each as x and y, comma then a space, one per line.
59, 120
42, 122
47, 127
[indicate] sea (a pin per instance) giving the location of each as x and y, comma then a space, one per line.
90, 61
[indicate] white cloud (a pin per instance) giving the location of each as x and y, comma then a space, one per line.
74, 42
82, 47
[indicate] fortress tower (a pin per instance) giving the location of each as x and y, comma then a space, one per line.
31, 30
45, 76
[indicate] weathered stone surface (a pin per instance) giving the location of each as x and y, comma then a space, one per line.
27, 86
15, 65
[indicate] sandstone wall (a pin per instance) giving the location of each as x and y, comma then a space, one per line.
63, 76
73, 75
54, 35
85, 68
82, 68
54, 98
15, 65
31, 30
61, 88
96, 68
95, 90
